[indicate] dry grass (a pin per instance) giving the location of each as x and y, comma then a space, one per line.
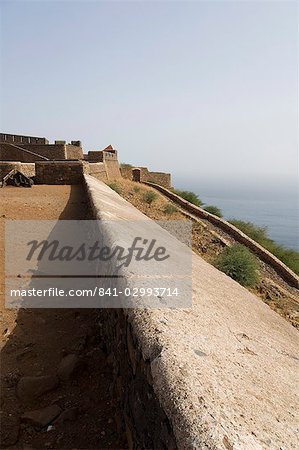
135, 194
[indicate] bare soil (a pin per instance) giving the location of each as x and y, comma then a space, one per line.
208, 241
34, 341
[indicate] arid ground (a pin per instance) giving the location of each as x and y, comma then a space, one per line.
35, 341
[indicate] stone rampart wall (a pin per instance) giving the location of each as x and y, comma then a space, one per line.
73, 152
20, 139
31, 153
237, 234
196, 378
161, 178
6, 167
59, 172
50, 151
95, 156
28, 169
96, 170
112, 169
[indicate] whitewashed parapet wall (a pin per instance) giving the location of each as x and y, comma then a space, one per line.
219, 375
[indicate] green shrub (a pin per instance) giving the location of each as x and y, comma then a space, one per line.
213, 210
255, 232
189, 196
288, 256
124, 165
169, 208
240, 264
136, 188
149, 197
115, 187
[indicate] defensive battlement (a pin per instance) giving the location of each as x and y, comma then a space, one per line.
20, 139
29, 149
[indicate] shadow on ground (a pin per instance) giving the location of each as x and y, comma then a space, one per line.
65, 346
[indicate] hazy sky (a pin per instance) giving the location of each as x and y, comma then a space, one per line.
197, 88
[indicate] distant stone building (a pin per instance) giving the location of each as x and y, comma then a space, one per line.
63, 162
58, 163
29, 149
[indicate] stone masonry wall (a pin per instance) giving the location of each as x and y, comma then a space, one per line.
183, 383
27, 169
142, 418
161, 178
59, 172
102, 155
73, 152
97, 170
6, 167
109, 161
10, 153
112, 169
284, 271
95, 156
126, 172
20, 139
51, 151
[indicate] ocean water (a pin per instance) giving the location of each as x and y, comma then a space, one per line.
271, 205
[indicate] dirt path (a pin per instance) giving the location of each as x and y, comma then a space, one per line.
34, 342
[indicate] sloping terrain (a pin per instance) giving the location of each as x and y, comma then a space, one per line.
208, 241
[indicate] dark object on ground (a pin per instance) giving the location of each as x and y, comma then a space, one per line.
16, 178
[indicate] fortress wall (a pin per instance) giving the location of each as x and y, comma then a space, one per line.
109, 155
102, 155
126, 172
112, 169
142, 418
51, 151
28, 169
73, 152
109, 161
59, 172
97, 170
198, 378
7, 166
95, 156
20, 139
286, 273
9, 153
161, 178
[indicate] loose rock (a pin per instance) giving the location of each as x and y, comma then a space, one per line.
41, 417
30, 388
68, 414
68, 366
